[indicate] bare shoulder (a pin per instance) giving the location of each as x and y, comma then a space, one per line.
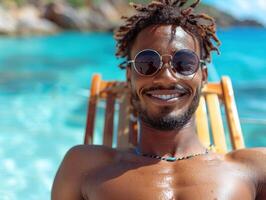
89, 155
255, 161
255, 157
78, 161
84, 158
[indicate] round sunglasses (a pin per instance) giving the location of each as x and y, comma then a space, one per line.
184, 63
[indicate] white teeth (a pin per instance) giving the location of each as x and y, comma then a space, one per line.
166, 97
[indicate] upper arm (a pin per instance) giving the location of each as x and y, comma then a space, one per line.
260, 165
68, 180
254, 159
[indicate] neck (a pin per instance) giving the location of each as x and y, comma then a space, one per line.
174, 143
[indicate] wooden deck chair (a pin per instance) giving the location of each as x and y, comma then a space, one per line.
209, 120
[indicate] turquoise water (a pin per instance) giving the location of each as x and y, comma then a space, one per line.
43, 89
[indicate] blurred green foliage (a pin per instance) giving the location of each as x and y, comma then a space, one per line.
74, 3
19, 2
77, 3
139, 1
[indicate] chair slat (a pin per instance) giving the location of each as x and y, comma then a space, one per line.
202, 123
216, 123
133, 131
213, 88
232, 115
91, 114
123, 123
109, 120
128, 127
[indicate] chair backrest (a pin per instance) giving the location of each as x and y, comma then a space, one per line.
209, 115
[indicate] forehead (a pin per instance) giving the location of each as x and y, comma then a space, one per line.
165, 39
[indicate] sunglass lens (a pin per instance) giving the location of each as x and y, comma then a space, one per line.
185, 62
147, 62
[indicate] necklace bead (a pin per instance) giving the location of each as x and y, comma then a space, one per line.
170, 159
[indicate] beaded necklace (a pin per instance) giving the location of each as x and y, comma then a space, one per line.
169, 158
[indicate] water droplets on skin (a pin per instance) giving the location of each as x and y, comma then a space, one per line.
167, 194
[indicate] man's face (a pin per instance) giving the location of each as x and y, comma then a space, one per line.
149, 93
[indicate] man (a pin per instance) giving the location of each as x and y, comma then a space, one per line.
165, 46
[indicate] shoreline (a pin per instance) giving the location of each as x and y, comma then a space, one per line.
219, 29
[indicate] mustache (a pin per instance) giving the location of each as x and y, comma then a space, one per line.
176, 87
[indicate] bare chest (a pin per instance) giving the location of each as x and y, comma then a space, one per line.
182, 183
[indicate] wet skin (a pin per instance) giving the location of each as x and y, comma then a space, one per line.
100, 173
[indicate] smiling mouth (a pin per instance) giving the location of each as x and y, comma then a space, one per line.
166, 97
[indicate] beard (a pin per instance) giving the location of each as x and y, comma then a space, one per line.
166, 121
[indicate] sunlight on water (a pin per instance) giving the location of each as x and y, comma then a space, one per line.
43, 89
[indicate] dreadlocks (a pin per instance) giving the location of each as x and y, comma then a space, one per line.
168, 12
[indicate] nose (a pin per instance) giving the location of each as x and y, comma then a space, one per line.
165, 75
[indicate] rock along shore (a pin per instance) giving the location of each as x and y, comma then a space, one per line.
55, 17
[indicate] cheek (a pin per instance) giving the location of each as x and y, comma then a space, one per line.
196, 82
137, 83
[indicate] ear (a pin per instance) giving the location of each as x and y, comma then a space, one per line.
204, 72
128, 74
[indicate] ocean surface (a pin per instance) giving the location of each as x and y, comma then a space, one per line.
44, 83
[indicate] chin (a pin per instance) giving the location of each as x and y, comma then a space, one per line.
168, 122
